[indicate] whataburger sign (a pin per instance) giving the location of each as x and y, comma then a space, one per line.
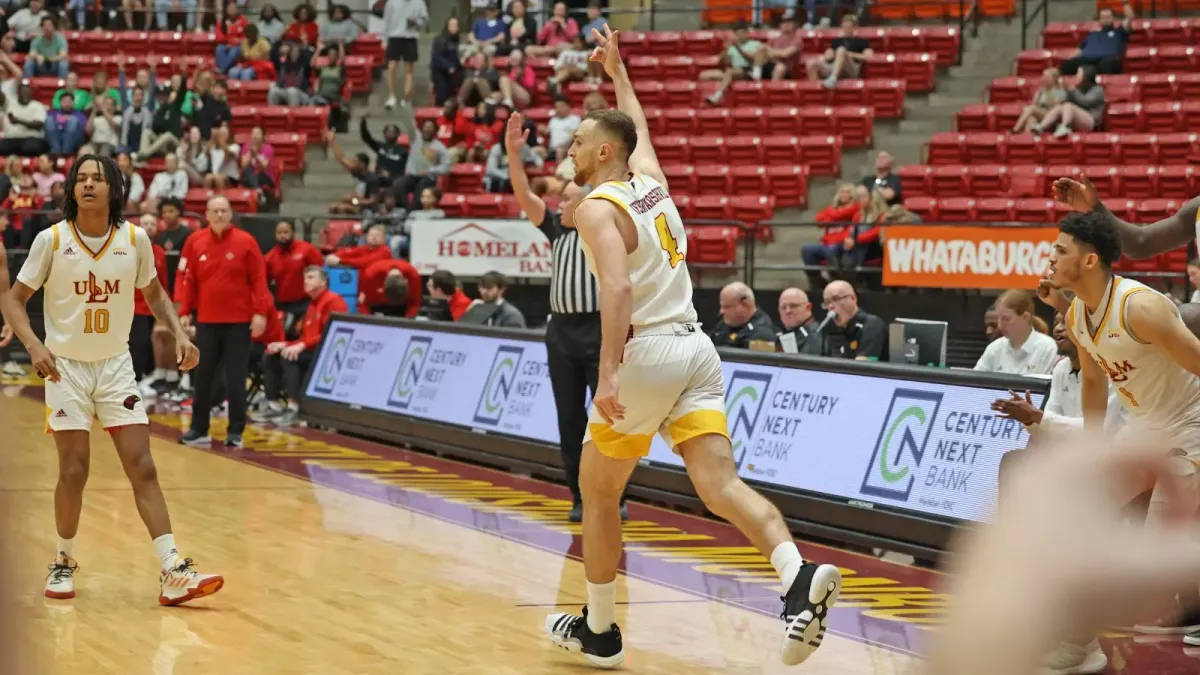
966, 257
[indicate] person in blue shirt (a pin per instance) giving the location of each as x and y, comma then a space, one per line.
1104, 48
490, 30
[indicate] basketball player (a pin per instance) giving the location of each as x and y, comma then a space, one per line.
659, 373
1134, 337
89, 265
1138, 241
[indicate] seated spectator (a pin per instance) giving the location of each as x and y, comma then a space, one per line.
853, 333
1103, 50
784, 51
430, 206
303, 31
172, 233
170, 183
292, 78
489, 31
446, 301
390, 288
211, 105
19, 204
46, 175
491, 309
428, 159
560, 130
136, 123
742, 325
522, 30
1023, 348
496, 178
844, 58
104, 128
444, 64
254, 57
743, 59
270, 25
595, 21
840, 216
557, 34
286, 363
366, 182
166, 127
359, 257
70, 86
10, 72
142, 7
1082, 111
164, 8
220, 164
135, 187
593, 102
518, 85
191, 156
10, 180
485, 132
100, 89
48, 52
65, 128
331, 80
340, 30
886, 182
24, 125
799, 334
230, 31
480, 81
1049, 95
143, 80
571, 65
26, 24
453, 128
257, 161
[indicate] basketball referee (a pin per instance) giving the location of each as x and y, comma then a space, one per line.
573, 332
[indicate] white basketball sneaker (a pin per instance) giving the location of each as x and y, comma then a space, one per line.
182, 583
60, 583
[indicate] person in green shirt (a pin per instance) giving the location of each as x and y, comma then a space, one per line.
47, 52
100, 88
71, 86
743, 59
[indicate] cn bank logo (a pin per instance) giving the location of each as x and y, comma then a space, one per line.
744, 401
335, 360
409, 374
499, 384
901, 444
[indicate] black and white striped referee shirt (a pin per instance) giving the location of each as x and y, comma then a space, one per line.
573, 288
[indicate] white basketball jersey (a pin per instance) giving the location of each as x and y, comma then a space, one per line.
88, 295
1152, 386
662, 288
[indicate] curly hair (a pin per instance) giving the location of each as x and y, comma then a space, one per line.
1096, 231
116, 189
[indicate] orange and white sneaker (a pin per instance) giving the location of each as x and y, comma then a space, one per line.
182, 583
60, 583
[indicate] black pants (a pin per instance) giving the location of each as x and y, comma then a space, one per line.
141, 345
227, 344
573, 356
1101, 66
293, 312
283, 378
443, 86
408, 190
25, 147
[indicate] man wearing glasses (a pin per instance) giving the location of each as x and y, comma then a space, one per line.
801, 332
853, 333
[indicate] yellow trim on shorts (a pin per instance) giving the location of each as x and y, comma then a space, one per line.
698, 423
617, 445
49, 412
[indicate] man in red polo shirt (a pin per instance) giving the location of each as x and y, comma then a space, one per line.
224, 280
390, 287
285, 269
286, 362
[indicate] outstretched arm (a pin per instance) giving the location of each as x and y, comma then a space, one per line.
643, 160
1138, 241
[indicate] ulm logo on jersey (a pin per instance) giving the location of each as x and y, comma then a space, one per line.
97, 290
335, 360
744, 401
409, 374
499, 384
901, 444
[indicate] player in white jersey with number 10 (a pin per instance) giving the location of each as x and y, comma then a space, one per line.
659, 374
88, 266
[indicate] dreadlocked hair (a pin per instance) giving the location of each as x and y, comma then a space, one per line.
116, 189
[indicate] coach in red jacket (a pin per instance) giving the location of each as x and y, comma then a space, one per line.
285, 269
390, 287
286, 362
360, 257
224, 280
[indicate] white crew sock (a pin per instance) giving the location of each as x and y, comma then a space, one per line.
786, 560
602, 606
65, 547
167, 554
185, 382
172, 375
159, 374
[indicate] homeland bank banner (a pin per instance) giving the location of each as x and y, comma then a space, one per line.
469, 248
966, 257
920, 446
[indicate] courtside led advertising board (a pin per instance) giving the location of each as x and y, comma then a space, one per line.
927, 447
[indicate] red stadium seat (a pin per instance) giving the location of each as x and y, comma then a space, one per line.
711, 207
1175, 148
743, 150
789, 184
752, 209
708, 149
749, 121
1122, 208
822, 154
749, 180
1036, 210
453, 204
1009, 90
1140, 148
975, 117
1124, 118
681, 177
1061, 150
914, 180
946, 148
983, 148
948, 181
1107, 180
1139, 182
1162, 117
994, 209
956, 209
465, 178
987, 180
924, 207
1153, 210
781, 149
1100, 148
781, 119
712, 179
686, 121
1177, 182
818, 120
712, 245
673, 149
1025, 149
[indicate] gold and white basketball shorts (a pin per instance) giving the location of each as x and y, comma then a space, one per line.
104, 390
671, 384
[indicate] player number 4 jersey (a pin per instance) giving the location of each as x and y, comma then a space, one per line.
662, 288
88, 294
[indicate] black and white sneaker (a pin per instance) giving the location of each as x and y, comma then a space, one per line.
233, 439
571, 632
195, 439
1192, 638
806, 610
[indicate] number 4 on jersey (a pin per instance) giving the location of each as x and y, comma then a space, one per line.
667, 240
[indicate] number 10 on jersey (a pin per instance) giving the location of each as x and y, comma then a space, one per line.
667, 240
95, 320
